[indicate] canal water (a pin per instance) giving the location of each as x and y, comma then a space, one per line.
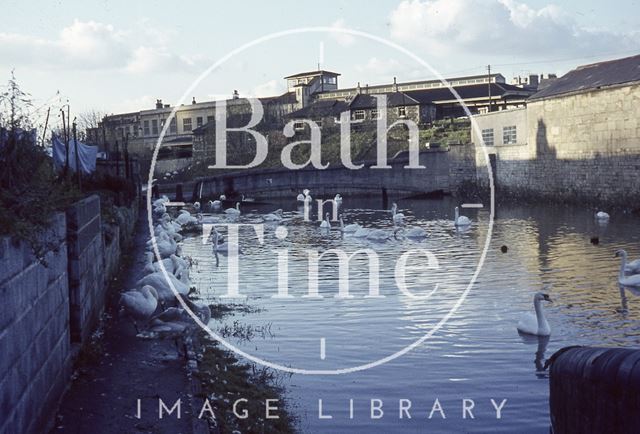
476, 355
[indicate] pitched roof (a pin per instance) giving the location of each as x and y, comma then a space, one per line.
327, 107
594, 76
394, 99
317, 72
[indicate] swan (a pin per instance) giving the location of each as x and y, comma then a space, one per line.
233, 211
161, 201
628, 282
224, 247
175, 322
158, 281
398, 217
413, 232
185, 218
338, 199
632, 267
326, 224
535, 324
152, 267
216, 204
275, 216
139, 305
602, 216
166, 245
378, 235
351, 228
361, 232
461, 220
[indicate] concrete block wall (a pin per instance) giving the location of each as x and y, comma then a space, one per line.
87, 279
34, 332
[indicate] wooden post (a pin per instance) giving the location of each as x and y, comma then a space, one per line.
66, 146
46, 123
75, 146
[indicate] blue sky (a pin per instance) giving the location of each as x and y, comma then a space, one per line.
122, 55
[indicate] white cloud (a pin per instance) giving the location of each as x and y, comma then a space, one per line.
498, 27
377, 66
92, 45
344, 39
270, 88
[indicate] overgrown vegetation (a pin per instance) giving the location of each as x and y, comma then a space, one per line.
30, 190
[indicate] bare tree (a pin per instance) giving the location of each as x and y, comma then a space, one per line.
89, 119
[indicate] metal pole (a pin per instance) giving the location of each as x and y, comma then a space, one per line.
489, 86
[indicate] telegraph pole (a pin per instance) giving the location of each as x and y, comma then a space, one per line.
489, 85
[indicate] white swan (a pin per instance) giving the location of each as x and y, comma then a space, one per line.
378, 235
158, 281
233, 211
224, 247
166, 245
632, 267
326, 224
196, 206
174, 322
139, 305
536, 324
151, 266
351, 228
222, 197
216, 204
627, 282
338, 199
413, 232
602, 216
185, 218
275, 216
398, 217
461, 220
361, 232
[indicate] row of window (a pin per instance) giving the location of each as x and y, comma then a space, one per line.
509, 136
154, 126
360, 114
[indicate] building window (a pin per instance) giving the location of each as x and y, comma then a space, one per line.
186, 125
210, 119
173, 126
298, 125
402, 111
375, 114
358, 115
509, 135
199, 121
487, 136
146, 128
154, 127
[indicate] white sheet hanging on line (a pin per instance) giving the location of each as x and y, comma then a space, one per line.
86, 155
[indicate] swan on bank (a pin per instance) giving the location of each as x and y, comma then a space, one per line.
139, 305
535, 324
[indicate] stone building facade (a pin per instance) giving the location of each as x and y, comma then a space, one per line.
577, 139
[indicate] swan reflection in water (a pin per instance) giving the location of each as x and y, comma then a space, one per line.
542, 342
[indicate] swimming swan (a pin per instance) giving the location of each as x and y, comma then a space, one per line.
398, 217
536, 324
461, 220
351, 228
233, 211
631, 282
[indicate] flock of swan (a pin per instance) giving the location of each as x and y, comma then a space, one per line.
628, 279
153, 303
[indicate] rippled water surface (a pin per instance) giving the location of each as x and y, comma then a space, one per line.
477, 354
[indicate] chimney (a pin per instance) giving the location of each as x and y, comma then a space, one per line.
236, 95
158, 103
366, 88
358, 89
193, 101
395, 85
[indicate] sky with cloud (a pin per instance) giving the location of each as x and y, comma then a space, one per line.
118, 55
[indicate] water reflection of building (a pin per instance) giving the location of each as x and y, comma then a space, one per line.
578, 138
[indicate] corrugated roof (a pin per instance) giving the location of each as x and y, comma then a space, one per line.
465, 92
594, 76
